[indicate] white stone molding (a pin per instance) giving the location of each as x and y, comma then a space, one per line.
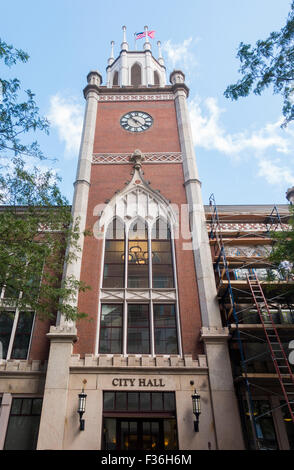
124, 158
137, 97
163, 295
112, 294
137, 361
22, 366
137, 199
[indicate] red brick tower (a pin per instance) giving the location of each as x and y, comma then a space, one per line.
153, 333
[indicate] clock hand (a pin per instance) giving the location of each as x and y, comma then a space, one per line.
137, 120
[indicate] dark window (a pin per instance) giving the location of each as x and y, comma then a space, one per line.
111, 329
6, 324
139, 401
23, 425
138, 329
115, 78
136, 79
165, 330
22, 335
20, 340
114, 266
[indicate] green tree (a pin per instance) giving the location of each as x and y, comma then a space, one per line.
269, 62
35, 220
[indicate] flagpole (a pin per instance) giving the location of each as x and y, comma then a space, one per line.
135, 45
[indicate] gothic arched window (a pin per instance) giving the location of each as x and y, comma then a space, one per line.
136, 261
136, 78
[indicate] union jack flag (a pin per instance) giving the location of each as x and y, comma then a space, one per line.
140, 35
143, 34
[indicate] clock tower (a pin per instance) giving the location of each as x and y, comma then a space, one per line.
153, 334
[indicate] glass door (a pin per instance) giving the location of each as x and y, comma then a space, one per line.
140, 434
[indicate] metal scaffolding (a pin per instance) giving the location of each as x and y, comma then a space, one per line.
254, 295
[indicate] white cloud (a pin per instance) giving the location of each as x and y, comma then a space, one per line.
210, 134
180, 55
275, 174
66, 115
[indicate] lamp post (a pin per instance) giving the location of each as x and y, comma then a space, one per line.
82, 408
196, 409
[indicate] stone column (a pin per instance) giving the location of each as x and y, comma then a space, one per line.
202, 254
82, 183
4, 417
225, 408
148, 68
53, 418
227, 424
124, 78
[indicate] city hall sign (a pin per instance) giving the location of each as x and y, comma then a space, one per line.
142, 382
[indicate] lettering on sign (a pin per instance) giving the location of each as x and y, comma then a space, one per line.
142, 382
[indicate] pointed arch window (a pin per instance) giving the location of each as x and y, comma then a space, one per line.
114, 266
136, 78
138, 258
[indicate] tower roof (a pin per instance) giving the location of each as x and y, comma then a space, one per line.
136, 67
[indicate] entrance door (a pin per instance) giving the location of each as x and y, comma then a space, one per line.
140, 434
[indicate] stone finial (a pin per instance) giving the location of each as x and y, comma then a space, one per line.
124, 44
111, 58
94, 78
137, 158
147, 45
290, 195
177, 76
160, 58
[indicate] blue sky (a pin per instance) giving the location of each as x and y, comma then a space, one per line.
242, 154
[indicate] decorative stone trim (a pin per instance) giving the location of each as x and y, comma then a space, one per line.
214, 333
15, 365
138, 361
248, 227
124, 158
62, 333
138, 294
141, 97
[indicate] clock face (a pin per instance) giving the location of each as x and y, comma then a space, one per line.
136, 121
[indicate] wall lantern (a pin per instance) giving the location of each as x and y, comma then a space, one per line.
196, 409
82, 408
